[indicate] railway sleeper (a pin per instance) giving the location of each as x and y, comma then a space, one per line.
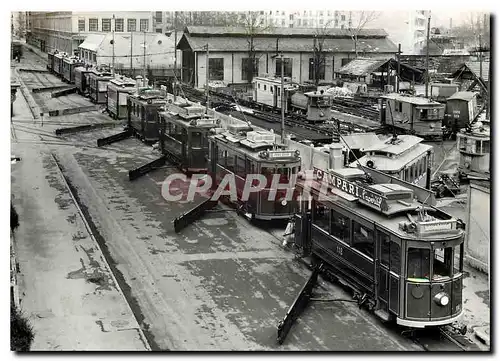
146, 168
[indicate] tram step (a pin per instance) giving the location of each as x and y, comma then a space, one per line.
382, 314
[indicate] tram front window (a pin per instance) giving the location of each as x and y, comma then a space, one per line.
284, 174
442, 263
419, 263
196, 140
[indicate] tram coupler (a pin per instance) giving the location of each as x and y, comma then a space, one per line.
194, 214
146, 168
114, 138
298, 305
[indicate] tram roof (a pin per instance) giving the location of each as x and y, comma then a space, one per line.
396, 147
410, 99
350, 204
123, 82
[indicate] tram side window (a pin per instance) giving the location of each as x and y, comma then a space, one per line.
230, 161
240, 166
418, 263
486, 146
340, 227
442, 263
363, 239
320, 217
458, 262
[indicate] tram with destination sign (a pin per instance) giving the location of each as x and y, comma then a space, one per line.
184, 132
240, 151
402, 258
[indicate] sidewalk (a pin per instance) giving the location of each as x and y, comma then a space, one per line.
65, 288
36, 51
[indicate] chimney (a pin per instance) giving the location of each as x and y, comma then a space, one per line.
138, 81
336, 158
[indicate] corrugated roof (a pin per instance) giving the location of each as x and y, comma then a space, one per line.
231, 44
410, 99
467, 96
92, 42
292, 32
361, 67
475, 67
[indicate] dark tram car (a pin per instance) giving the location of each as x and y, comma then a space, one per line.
184, 131
58, 64
118, 91
17, 49
69, 65
402, 258
413, 115
82, 75
50, 61
461, 109
143, 115
98, 85
442, 91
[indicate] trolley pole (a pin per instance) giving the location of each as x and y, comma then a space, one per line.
113, 61
427, 58
282, 100
207, 77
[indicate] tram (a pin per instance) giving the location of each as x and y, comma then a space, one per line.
403, 259
50, 60
98, 85
240, 151
69, 64
474, 147
82, 76
402, 156
143, 116
184, 132
58, 64
118, 90
414, 115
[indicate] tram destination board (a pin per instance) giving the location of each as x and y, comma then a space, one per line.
368, 196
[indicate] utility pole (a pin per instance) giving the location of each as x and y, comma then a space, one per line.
480, 57
427, 58
282, 100
207, 76
113, 30
399, 68
175, 52
315, 62
131, 52
144, 69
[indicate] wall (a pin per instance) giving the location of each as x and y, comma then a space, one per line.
477, 242
310, 156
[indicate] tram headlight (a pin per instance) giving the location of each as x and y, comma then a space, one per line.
284, 202
442, 299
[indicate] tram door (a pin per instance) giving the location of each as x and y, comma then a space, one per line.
389, 255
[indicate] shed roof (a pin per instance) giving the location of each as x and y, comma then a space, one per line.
467, 96
275, 32
92, 42
289, 44
474, 67
410, 99
362, 66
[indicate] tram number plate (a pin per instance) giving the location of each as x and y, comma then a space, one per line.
340, 250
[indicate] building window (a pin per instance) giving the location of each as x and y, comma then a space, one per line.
216, 68
246, 66
320, 68
106, 25
144, 24
265, 87
291, 16
158, 16
119, 25
342, 26
131, 25
93, 24
298, 22
342, 17
320, 13
283, 13
346, 61
94, 57
81, 24
329, 13
305, 22
336, 23
159, 31
320, 21
287, 67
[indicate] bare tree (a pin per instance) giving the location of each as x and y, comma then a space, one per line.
319, 52
356, 25
253, 26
